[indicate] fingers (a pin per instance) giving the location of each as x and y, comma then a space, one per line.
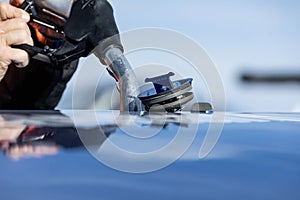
18, 56
13, 31
14, 24
16, 37
8, 11
8, 54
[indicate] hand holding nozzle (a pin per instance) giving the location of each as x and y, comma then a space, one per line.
91, 27
13, 30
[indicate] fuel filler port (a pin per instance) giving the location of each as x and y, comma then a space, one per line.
167, 94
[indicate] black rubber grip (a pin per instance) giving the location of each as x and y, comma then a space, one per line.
31, 50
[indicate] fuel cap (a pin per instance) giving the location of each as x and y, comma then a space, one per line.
167, 94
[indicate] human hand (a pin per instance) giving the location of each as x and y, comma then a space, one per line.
13, 31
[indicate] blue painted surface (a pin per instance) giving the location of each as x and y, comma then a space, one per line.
252, 160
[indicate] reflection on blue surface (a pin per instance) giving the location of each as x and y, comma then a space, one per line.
254, 160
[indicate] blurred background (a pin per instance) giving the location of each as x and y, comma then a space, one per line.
255, 46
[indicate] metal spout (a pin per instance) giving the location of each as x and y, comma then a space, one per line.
123, 73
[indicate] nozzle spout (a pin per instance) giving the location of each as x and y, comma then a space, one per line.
126, 78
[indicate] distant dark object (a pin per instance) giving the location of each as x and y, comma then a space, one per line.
166, 94
270, 79
202, 108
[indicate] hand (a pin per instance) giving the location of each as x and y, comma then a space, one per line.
13, 31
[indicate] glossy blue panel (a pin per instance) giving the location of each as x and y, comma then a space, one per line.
256, 157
